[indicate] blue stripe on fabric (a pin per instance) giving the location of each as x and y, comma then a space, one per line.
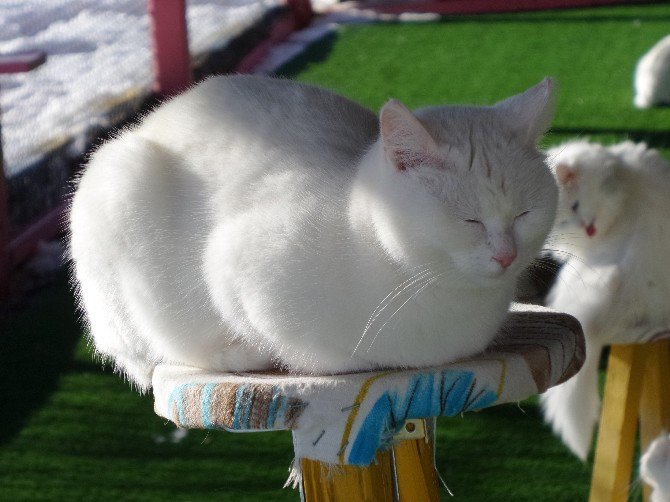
206, 405
281, 410
368, 439
177, 398
420, 401
427, 395
249, 399
455, 388
484, 400
239, 395
272, 409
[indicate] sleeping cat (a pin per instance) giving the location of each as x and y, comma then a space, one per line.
613, 230
652, 76
253, 222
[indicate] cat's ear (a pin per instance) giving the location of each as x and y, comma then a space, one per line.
406, 142
530, 113
565, 175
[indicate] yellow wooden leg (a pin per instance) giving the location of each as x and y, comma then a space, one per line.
322, 483
404, 473
415, 469
655, 399
618, 424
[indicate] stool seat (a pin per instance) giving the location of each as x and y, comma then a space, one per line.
346, 418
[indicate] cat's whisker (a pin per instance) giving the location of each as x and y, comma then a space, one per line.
388, 299
394, 294
412, 296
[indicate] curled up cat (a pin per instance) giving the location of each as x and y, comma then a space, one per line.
613, 233
254, 222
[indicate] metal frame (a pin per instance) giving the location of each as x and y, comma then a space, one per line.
172, 74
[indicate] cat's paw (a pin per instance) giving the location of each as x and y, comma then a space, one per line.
655, 468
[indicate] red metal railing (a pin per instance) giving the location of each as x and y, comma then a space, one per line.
172, 74
14, 63
169, 35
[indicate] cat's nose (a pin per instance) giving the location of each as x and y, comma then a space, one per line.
505, 259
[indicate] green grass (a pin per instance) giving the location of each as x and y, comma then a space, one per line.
591, 52
71, 430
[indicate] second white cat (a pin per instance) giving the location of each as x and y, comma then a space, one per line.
613, 231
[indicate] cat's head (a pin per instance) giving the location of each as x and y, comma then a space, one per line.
592, 188
467, 184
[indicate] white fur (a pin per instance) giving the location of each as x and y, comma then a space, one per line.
253, 221
655, 468
616, 282
652, 76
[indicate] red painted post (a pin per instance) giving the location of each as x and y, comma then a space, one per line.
302, 10
21, 62
13, 63
169, 38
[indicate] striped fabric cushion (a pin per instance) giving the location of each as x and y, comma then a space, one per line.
345, 419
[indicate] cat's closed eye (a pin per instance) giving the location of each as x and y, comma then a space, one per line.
521, 215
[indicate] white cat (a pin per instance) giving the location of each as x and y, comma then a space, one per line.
655, 468
652, 76
613, 229
253, 221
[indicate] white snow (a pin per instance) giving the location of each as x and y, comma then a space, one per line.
98, 53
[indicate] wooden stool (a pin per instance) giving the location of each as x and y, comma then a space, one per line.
637, 387
404, 472
370, 436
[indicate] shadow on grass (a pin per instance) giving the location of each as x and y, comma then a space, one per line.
655, 139
317, 52
38, 345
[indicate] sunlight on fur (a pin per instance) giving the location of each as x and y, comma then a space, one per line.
255, 222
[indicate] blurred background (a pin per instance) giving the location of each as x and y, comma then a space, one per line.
70, 429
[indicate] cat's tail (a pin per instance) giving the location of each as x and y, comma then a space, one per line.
655, 468
573, 408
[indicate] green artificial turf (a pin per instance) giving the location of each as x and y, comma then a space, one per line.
482, 59
71, 430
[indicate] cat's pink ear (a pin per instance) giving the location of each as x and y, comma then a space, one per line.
530, 113
406, 141
565, 175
